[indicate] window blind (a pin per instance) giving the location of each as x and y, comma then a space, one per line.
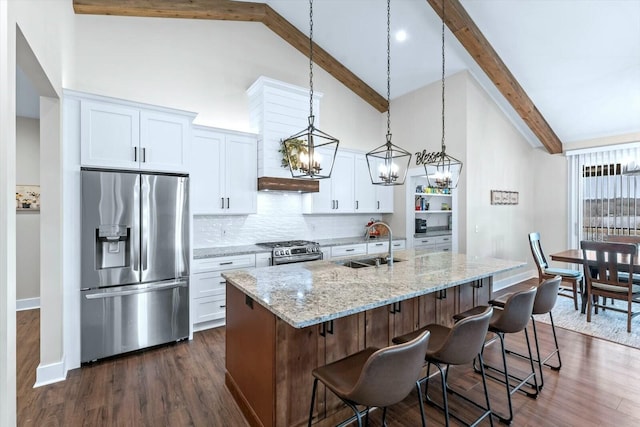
603, 201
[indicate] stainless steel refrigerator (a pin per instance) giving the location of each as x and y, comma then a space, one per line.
135, 261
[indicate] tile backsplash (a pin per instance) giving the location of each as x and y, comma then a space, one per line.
279, 217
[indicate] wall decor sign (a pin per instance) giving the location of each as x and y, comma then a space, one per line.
28, 197
499, 197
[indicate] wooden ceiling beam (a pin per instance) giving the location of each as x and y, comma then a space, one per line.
236, 11
462, 26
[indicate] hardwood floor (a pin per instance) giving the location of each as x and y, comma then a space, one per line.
183, 385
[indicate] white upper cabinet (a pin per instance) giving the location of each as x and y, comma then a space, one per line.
349, 190
336, 193
125, 135
110, 135
164, 141
223, 172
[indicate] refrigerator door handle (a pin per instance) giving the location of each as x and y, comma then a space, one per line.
175, 284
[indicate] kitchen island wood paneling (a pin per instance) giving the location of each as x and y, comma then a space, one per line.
284, 321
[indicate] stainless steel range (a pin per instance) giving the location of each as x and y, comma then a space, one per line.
293, 251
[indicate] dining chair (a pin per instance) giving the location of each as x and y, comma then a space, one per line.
634, 240
574, 278
374, 377
613, 263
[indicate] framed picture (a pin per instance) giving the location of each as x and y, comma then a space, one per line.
28, 197
513, 197
496, 197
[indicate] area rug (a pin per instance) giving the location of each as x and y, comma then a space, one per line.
608, 325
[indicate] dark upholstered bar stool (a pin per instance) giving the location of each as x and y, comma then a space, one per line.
513, 318
458, 345
546, 297
374, 377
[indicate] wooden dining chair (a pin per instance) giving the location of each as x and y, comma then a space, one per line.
613, 263
573, 278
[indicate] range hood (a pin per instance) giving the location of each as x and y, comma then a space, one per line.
269, 183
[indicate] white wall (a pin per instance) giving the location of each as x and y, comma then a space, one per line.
499, 158
27, 222
207, 66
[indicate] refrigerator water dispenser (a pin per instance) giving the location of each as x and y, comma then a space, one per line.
112, 246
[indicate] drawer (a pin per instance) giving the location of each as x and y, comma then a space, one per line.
348, 250
377, 247
443, 247
224, 263
383, 247
424, 242
443, 239
399, 244
263, 259
207, 284
209, 308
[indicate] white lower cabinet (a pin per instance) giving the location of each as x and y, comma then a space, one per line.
208, 288
380, 247
349, 250
435, 243
263, 259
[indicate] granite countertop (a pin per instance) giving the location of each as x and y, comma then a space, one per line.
305, 294
254, 249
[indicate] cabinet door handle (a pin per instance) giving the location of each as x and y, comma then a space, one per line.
323, 330
330, 329
356, 204
135, 154
223, 306
227, 203
337, 204
333, 204
442, 294
221, 202
378, 204
144, 154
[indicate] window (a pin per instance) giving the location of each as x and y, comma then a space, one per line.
602, 200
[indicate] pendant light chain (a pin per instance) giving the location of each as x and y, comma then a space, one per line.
388, 70
443, 147
310, 59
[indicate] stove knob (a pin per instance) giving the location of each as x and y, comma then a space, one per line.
278, 253
288, 252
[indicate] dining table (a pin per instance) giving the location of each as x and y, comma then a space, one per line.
574, 256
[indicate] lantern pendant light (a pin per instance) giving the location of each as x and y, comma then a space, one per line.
442, 170
388, 164
311, 152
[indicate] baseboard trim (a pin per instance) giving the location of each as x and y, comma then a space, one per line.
27, 304
512, 280
51, 373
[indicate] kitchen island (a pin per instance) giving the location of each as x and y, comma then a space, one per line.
284, 321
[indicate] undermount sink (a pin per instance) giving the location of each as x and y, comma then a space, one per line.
366, 262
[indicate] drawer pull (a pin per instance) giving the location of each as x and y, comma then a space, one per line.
223, 306
226, 263
349, 250
379, 244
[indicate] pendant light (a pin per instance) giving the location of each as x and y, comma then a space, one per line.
310, 152
388, 163
442, 170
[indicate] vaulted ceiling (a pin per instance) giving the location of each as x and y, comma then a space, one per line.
562, 70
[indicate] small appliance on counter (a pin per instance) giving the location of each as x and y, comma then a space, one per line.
421, 225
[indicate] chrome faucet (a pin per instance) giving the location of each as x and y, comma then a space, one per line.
384, 224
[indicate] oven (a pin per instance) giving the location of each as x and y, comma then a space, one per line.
291, 251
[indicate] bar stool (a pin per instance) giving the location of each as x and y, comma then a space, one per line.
374, 377
545, 300
458, 345
513, 318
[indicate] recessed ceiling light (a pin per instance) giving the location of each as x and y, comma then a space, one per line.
401, 35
